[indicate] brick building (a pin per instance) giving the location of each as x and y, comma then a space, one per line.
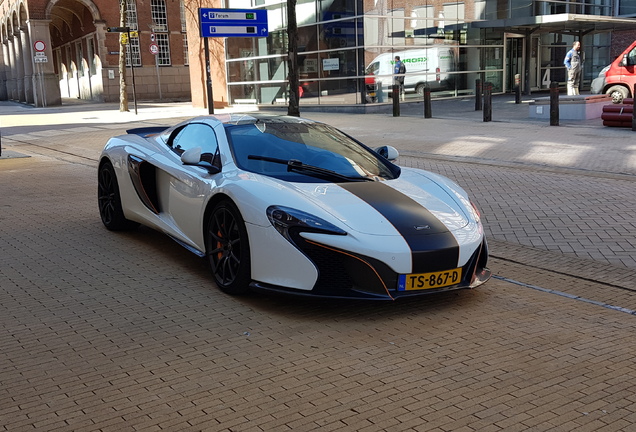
55, 49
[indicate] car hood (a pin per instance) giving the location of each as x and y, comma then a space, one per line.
415, 200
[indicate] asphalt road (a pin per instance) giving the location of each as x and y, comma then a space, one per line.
105, 331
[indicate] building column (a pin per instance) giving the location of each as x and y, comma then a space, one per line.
46, 87
19, 66
27, 56
12, 71
4, 70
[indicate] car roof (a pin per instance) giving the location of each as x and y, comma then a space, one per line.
234, 119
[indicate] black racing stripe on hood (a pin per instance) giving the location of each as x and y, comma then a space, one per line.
433, 248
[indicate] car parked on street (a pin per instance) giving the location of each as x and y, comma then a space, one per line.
619, 77
291, 205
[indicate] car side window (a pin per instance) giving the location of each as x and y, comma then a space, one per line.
631, 57
194, 135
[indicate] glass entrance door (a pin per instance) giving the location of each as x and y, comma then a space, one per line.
514, 62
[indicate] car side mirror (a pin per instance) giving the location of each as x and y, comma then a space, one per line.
624, 61
194, 156
191, 156
388, 152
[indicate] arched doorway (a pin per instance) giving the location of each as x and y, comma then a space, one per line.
75, 41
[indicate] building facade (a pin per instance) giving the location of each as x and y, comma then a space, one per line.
55, 49
347, 47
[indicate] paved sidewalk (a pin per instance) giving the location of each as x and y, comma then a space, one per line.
104, 331
578, 170
455, 131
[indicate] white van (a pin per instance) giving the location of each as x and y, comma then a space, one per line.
423, 66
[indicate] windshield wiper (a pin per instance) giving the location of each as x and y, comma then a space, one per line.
312, 170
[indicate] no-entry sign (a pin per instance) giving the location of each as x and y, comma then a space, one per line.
39, 46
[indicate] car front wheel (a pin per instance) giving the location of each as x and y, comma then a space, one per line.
109, 200
228, 248
617, 93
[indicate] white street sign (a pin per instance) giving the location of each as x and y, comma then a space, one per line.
39, 46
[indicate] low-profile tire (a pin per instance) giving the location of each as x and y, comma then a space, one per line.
109, 200
228, 248
617, 93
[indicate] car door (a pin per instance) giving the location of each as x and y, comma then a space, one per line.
185, 189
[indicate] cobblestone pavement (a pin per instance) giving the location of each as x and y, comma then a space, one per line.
106, 331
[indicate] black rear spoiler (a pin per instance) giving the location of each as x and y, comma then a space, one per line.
147, 131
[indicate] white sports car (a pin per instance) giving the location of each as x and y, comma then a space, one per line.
291, 205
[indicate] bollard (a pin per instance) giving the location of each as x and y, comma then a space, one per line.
396, 100
634, 110
487, 101
517, 88
554, 103
427, 102
478, 91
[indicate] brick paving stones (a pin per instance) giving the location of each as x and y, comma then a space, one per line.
106, 331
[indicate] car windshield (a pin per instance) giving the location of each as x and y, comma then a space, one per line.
305, 152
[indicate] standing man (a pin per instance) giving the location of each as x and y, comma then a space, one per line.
572, 62
399, 70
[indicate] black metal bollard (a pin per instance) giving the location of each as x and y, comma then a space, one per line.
517, 88
396, 100
554, 103
487, 101
427, 102
478, 91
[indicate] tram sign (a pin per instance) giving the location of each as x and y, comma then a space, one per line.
233, 22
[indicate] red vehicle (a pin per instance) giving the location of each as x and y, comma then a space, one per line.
617, 80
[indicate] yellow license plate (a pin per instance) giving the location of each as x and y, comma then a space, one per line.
422, 281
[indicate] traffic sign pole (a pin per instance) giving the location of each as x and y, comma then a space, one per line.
132, 69
154, 50
208, 76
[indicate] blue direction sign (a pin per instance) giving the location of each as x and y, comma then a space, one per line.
233, 22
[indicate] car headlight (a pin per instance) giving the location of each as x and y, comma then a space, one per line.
288, 222
476, 212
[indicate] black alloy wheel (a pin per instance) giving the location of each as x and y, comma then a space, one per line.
228, 248
109, 200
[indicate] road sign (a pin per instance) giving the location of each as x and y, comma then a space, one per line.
154, 49
233, 22
123, 38
40, 59
39, 46
117, 29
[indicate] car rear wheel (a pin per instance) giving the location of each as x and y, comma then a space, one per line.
109, 200
228, 248
617, 93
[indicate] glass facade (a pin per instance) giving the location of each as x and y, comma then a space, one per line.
347, 49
